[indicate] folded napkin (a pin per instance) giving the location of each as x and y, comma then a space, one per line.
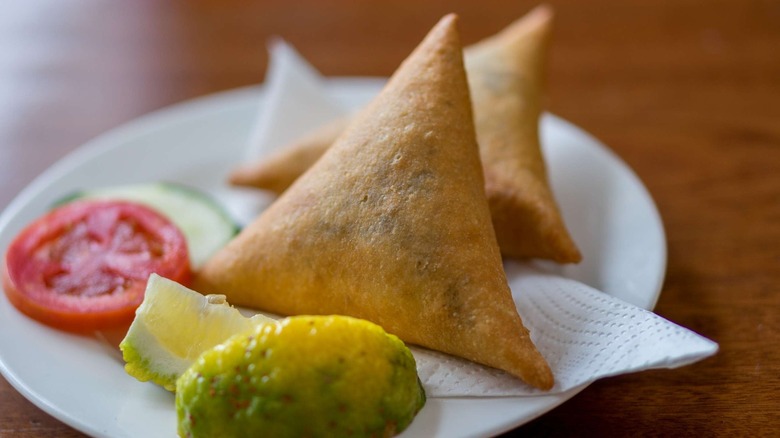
583, 333
294, 103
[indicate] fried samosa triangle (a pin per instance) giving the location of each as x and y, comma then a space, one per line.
392, 225
506, 76
279, 170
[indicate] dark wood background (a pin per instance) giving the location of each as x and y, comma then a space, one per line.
686, 92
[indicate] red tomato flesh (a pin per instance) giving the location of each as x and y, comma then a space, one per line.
84, 266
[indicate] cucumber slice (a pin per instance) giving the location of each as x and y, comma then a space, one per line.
204, 223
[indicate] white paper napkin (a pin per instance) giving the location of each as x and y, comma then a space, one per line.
583, 333
294, 101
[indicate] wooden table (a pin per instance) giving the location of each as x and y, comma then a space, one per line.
686, 92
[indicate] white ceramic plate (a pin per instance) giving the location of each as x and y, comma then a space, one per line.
81, 381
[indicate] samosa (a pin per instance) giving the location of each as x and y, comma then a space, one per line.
506, 76
278, 171
392, 225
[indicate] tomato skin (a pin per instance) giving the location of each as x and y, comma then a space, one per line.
84, 266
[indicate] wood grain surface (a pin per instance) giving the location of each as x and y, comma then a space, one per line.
686, 92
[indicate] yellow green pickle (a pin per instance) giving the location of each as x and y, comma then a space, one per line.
309, 376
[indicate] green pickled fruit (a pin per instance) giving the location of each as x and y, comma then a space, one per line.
307, 376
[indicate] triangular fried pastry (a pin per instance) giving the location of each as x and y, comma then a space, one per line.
279, 170
392, 225
506, 76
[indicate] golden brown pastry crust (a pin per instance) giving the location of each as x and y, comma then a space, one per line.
279, 170
392, 225
506, 76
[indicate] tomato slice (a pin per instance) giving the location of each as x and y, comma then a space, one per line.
84, 266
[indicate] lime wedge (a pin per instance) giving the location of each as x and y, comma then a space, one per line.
173, 326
